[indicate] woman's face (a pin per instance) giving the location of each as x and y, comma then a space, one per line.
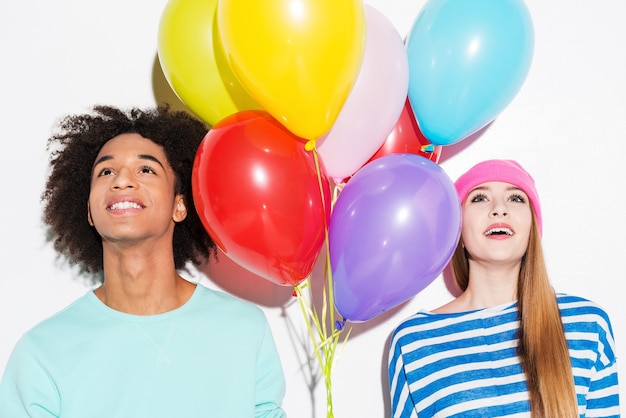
496, 223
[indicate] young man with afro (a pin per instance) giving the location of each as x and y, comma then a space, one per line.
146, 342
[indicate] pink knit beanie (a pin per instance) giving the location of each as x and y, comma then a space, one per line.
506, 171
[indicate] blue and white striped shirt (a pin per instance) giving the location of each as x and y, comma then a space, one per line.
466, 365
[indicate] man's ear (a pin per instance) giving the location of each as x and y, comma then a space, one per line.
180, 210
89, 214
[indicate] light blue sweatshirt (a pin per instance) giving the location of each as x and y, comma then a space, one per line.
212, 357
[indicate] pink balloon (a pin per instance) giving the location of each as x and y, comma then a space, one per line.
374, 104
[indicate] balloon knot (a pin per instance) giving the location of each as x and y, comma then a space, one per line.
428, 148
310, 145
340, 324
294, 294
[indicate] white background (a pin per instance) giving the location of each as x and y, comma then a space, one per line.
566, 126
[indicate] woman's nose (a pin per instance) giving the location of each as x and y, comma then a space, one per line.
499, 209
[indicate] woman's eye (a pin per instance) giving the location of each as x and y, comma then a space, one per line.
517, 198
147, 170
479, 198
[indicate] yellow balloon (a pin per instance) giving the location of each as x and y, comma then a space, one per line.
297, 58
194, 63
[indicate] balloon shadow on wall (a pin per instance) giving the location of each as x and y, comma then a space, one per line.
449, 151
448, 278
384, 378
359, 328
163, 92
240, 282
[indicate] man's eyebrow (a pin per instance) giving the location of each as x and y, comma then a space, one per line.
102, 159
151, 158
140, 156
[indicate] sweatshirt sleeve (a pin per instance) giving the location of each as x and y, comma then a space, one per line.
270, 380
26, 389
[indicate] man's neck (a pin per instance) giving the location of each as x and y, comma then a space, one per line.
142, 283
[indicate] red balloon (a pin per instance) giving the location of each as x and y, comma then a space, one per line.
407, 138
258, 194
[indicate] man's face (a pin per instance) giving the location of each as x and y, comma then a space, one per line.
132, 191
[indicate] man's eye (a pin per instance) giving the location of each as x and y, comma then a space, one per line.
147, 170
106, 172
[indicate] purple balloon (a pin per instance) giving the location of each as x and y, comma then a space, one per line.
392, 231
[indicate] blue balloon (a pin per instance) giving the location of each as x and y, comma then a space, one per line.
392, 231
467, 61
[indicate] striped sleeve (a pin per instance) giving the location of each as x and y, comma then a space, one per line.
592, 350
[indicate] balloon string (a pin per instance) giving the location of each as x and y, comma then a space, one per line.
325, 348
329, 275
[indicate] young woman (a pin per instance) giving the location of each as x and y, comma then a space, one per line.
508, 345
146, 342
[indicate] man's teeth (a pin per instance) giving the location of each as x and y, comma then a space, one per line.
125, 205
499, 231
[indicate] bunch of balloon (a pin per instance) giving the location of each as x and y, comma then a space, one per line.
392, 231
467, 61
271, 77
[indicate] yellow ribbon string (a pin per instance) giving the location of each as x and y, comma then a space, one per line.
324, 343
